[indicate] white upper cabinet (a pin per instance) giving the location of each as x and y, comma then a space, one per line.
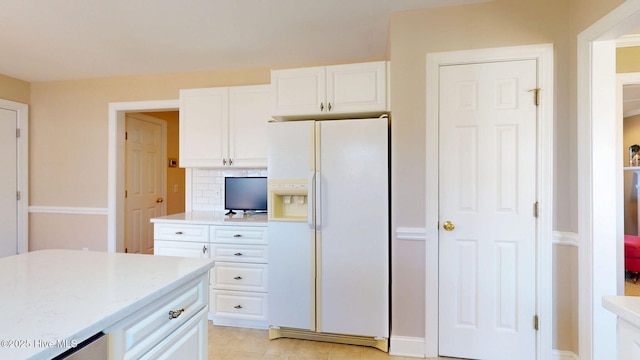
225, 126
330, 91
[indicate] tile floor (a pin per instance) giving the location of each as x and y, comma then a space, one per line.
229, 343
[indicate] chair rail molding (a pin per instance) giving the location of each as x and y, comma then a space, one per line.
410, 233
566, 238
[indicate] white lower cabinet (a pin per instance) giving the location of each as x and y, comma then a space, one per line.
238, 281
167, 329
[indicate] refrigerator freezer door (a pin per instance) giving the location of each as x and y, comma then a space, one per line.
292, 284
353, 265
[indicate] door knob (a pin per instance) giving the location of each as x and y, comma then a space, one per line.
448, 226
159, 200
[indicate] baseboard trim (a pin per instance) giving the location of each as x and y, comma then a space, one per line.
67, 210
563, 355
414, 347
406, 346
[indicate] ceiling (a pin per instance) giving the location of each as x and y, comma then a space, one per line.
77, 39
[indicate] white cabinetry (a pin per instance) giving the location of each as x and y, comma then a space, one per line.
239, 279
330, 91
224, 126
181, 240
173, 327
237, 287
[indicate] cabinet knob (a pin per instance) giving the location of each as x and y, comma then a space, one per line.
321, 106
238, 307
237, 235
175, 313
328, 106
238, 254
230, 162
179, 233
224, 161
204, 249
238, 278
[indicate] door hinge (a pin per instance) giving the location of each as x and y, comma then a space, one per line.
535, 209
17, 133
125, 194
536, 95
126, 135
17, 195
535, 322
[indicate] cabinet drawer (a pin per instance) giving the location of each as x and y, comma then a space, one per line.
239, 276
238, 305
239, 235
181, 248
187, 342
131, 338
239, 253
181, 232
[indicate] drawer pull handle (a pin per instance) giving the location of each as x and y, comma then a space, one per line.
238, 307
175, 313
204, 249
179, 233
238, 254
237, 235
238, 277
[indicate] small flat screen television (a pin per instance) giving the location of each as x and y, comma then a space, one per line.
248, 194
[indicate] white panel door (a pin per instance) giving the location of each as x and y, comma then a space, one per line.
145, 183
8, 184
353, 241
487, 191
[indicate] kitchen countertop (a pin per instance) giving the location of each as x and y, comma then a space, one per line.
214, 218
54, 299
625, 307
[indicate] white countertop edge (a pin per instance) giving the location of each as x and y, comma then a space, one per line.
121, 315
212, 218
625, 307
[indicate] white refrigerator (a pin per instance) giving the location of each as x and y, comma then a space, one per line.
329, 226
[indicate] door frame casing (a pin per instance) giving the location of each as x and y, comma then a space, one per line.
22, 171
116, 181
543, 55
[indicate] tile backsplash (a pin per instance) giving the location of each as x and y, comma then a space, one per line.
207, 186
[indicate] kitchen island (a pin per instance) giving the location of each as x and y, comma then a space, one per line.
627, 308
54, 300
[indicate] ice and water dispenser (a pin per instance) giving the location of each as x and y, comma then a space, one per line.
289, 200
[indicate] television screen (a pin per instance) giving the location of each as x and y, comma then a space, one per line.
245, 193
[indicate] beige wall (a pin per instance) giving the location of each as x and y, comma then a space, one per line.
69, 140
413, 35
15, 90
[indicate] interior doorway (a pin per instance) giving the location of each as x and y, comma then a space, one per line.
599, 178
14, 191
116, 164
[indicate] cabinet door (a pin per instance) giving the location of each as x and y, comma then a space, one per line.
298, 91
188, 342
203, 127
249, 112
181, 248
357, 88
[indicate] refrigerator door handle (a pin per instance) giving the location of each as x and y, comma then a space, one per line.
311, 190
